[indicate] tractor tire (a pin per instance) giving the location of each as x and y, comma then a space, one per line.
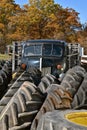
36, 75
4, 84
46, 82
2, 62
57, 99
73, 80
0, 67
22, 108
7, 68
79, 70
63, 120
80, 98
15, 84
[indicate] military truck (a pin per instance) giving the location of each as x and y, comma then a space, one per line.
47, 55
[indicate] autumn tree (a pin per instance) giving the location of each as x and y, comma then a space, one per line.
40, 19
69, 24
82, 37
50, 20
8, 9
44, 17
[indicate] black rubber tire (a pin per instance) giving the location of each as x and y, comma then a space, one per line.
79, 70
36, 75
56, 99
73, 80
80, 98
84, 65
15, 85
4, 84
2, 62
56, 120
20, 111
5, 73
46, 82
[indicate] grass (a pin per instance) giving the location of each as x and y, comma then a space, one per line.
5, 57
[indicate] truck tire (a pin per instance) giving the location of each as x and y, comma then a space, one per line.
63, 120
20, 111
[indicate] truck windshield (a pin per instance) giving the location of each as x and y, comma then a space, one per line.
52, 49
44, 49
32, 50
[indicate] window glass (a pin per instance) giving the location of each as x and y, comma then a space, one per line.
29, 50
47, 49
38, 49
57, 50
32, 50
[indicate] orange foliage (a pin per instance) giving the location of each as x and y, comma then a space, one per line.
37, 20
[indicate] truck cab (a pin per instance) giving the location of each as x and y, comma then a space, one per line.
44, 54
50, 56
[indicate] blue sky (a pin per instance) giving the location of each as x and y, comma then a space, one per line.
79, 6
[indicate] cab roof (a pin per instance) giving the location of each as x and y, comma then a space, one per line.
44, 41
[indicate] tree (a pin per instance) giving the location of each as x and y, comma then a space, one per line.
40, 19
82, 37
7, 9
50, 20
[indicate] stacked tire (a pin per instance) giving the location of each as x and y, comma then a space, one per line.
46, 82
24, 105
15, 84
5, 76
60, 97
21, 109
